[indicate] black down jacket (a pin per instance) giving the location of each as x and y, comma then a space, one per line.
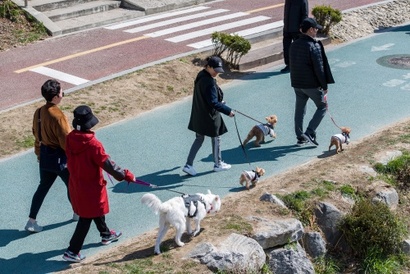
309, 67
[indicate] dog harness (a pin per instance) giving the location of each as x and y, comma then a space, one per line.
190, 200
344, 138
252, 175
267, 129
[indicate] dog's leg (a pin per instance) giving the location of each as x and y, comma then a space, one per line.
163, 228
188, 226
180, 228
197, 227
247, 139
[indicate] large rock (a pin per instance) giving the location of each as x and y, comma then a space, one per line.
272, 233
314, 244
290, 259
236, 254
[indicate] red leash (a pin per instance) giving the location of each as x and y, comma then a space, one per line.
137, 181
327, 110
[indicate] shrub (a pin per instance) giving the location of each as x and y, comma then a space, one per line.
372, 226
235, 47
399, 169
327, 17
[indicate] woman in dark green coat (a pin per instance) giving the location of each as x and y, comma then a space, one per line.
206, 119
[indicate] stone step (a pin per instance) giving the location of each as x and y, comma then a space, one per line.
47, 5
97, 19
81, 10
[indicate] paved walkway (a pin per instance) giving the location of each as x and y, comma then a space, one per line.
366, 97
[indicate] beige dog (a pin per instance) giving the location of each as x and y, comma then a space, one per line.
338, 139
262, 130
251, 177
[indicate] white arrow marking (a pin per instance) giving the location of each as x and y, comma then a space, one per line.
383, 47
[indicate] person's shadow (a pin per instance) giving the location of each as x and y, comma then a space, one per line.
9, 235
162, 179
37, 262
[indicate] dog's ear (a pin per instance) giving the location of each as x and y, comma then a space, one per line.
209, 192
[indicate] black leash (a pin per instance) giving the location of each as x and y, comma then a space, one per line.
247, 116
240, 141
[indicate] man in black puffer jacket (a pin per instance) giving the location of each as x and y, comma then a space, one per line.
309, 74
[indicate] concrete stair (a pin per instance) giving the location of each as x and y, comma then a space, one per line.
68, 16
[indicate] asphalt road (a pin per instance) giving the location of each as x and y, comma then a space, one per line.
367, 97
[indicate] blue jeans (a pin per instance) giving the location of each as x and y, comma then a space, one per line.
302, 96
47, 179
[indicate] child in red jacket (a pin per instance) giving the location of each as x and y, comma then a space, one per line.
86, 160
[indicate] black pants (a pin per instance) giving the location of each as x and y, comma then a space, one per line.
81, 231
47, 179
288, 38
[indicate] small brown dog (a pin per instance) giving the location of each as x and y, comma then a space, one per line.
262, 130
251, 177
338, 139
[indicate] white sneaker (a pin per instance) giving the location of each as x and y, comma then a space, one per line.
75, 217
222, 166
33, 227
189, 170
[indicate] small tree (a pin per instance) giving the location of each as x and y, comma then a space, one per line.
327, 17
235, 47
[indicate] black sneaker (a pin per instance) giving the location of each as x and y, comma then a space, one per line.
301, 142
310, 139
285, 69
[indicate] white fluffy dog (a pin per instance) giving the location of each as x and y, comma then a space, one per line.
176, 210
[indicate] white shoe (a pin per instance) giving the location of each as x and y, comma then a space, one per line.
222, 166
33, 227
189, 170
75, 217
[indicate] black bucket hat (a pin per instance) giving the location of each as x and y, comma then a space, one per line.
84, 118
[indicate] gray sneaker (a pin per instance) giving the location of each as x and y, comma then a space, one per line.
189, 170
75, 217
33, 227
222, 166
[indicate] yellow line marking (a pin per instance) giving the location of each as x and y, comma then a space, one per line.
266, 8
81, 54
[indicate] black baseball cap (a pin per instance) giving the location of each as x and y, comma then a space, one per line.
308, 23
216, 63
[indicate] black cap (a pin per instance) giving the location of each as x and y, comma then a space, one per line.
84, 118
308, 23
216, 63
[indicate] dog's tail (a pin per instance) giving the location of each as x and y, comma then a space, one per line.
152, 202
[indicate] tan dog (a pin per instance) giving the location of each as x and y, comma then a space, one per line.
338, 139
262, 130
251, 177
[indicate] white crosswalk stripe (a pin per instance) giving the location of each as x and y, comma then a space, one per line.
175, 20
191, 21
155, 17
56, 74
211, 30
246, 32
196, 24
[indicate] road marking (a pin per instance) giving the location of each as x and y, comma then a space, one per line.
196, 24
208, 31
383, 47
266, 8
208, 42
175, 20
68, 57
56, 74
153, 18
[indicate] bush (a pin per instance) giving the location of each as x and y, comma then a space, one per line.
399, 169
235, 47
327, 17
372, 226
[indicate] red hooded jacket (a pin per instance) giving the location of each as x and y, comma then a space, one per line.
86, 159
